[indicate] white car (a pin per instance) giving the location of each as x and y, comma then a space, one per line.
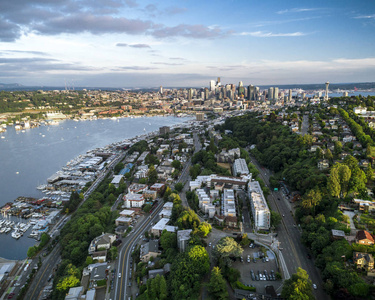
314, 286
119, 275
209, 245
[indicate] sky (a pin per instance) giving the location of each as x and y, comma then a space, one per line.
175, 43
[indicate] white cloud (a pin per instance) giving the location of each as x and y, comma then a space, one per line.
365, 17
295, 10
271, 34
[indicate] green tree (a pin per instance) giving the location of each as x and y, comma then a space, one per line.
32, 251
328, 155
179, 187
311, 200
299, 286
168, 240
204, 229
152, 175
118, 167
333, 184
147, 208
177, 164
370, 173
217, 286
228, 247
113, 252
275, 218
188, 220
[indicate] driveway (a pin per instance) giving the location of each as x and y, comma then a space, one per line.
351, 214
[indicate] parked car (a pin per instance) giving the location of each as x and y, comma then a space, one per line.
314, 286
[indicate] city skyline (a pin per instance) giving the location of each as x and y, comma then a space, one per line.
122, 43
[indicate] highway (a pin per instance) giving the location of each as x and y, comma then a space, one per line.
41, 277
289, 236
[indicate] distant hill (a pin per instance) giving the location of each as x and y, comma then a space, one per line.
7, 86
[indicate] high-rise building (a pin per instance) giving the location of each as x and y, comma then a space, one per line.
290, 95
270, 93
326, 95
276, 93
218, 83
199, 116
212, 85
206, 94
256, 93
190, 94
250, 92
161, 90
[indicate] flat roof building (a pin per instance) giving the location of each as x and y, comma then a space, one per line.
229, 205
240, 167
259, 207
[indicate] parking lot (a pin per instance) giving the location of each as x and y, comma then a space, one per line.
264, 269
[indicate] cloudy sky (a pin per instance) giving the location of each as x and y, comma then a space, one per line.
136, 43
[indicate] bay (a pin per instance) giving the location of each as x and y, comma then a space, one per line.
29, 157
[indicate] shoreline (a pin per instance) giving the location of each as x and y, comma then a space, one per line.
112, 145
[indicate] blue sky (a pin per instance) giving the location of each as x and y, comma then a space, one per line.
136, 43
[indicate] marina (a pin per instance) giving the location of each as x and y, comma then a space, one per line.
42, 168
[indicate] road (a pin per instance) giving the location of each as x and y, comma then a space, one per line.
289, 236
41, 278
123, 265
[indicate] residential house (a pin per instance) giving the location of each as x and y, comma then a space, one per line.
103, 241
337, 234
323, 164
158, 228
100, 256
150, 249
363, 260
125, 218
364, 205
364, 237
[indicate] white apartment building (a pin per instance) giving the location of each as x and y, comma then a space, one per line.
259, 207
240, 167
228, 203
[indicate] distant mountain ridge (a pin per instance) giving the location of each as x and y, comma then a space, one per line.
306, 87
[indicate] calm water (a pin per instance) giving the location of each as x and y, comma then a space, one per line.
29, 158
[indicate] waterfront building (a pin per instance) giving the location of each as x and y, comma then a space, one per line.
164, 130
199, 116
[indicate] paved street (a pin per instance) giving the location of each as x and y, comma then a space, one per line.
289, 236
